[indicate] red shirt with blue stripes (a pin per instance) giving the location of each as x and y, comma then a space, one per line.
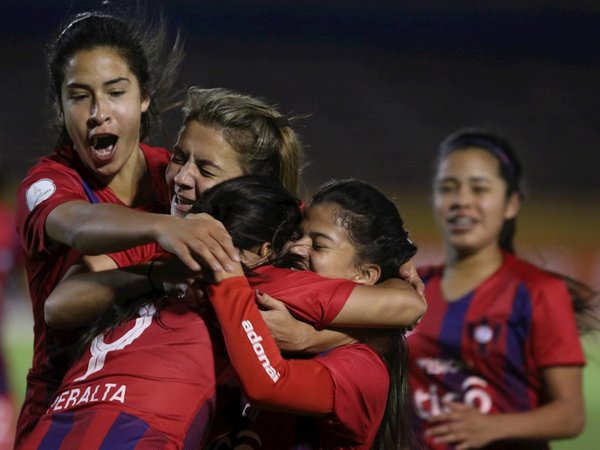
54, 180
487, 349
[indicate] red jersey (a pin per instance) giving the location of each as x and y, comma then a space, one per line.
152, 380
54, 180
487, 349
347, 386
149, 381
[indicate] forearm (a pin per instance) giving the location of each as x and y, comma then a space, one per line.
559, 419
304, 338
393, 303
103, 228
82, 296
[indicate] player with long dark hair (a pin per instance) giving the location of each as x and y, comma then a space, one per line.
497, 361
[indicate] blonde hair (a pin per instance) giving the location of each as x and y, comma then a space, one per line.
261, 136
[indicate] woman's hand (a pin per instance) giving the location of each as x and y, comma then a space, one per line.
408, 272
292, 335
289, 333
463, 426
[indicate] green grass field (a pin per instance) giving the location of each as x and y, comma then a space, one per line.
19, 357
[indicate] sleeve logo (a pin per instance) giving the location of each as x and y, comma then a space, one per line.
39, 191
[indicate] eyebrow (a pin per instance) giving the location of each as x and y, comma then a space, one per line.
198, 162
106, 83
316, 234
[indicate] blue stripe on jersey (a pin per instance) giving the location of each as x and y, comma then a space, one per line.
515, 366
90, 194
61, 426
124, 433
199, 428
451, 332
452, 327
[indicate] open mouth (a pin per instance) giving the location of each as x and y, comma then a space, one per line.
180, 206
104, 146
461, 223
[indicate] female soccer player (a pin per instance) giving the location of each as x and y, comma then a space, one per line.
497, 361
150, 380
350, 231
107, 76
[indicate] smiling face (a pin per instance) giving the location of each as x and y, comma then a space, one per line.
470, 201
325, 245
201, 159
102, 105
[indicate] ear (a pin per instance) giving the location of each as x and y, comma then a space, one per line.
265, 250
513, 205
145, 103
367, 274
59, 111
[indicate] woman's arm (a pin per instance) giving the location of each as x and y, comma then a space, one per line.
102, 228
393, 303
300, 386
562, 417
82, 296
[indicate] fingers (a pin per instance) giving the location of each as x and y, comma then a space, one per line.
212, 243
445, 433
200, 240
268, 302
188, 260
408, 272
457, 406
212, 252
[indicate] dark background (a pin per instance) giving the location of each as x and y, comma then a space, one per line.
383, 81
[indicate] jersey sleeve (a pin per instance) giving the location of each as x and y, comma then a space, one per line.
555, 337
300, 386
45, 188
138, 255
308, 295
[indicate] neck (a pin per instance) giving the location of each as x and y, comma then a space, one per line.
132, 183
464, 272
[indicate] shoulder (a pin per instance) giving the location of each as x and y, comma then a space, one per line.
532, 276
59, 161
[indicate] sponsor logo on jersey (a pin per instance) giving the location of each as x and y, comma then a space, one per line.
434, 399
258, 348
439, 366
39, 191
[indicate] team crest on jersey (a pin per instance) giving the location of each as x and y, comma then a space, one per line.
39, 191
484, 332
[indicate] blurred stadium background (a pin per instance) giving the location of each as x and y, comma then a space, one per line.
381, 83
